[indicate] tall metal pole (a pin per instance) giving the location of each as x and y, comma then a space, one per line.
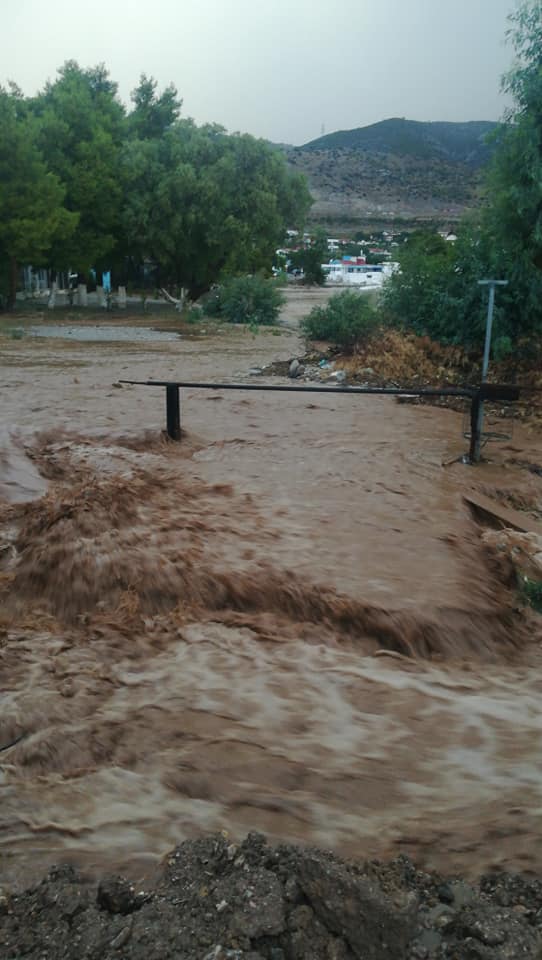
477, 439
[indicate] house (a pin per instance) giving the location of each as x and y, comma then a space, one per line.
355, 272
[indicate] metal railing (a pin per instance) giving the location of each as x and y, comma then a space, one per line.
476, 395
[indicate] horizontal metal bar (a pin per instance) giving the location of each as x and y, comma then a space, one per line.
385, 391
499, 391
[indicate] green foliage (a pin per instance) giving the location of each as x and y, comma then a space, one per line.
311, 258
79, 122
532, 592
515, 182
204, 205
347, 319
420, 295
502, 348
32, 212
152, 115
462, 142
143, 189
251, 300
195, 314
437, 291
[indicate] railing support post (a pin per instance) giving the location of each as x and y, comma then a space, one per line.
173, 412
476, 421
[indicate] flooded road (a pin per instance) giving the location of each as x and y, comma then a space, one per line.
288, 622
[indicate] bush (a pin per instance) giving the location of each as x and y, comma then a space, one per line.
347, 319
194, 314
252, 300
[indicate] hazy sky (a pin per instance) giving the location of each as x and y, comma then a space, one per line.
277, 68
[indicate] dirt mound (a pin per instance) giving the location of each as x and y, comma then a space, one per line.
215, 900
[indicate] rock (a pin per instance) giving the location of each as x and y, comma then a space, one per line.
255, 372
5, 898
493, 927
441, 915
122, 938
117, 895
430, 940
301, 918
217, 953
462, 893
339, 376
293, 369
355, 907
72, 900
368, 371
445, 893
258, 910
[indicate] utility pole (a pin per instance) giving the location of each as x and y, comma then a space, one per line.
485, 363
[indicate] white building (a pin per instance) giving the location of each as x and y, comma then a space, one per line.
354, 274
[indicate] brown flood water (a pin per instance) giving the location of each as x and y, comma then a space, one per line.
287, 623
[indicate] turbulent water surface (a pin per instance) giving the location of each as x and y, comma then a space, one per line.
288, 622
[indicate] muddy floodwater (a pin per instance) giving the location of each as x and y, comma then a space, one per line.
288, 622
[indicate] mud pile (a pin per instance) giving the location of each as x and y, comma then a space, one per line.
215, 900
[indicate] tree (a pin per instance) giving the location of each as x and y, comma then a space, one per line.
203, 205
516, 176
437, 291
512, 218
152, 115
311, 258
80, 129
32, 212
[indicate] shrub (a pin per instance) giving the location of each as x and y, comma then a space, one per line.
252, 300
194, 314
347, 319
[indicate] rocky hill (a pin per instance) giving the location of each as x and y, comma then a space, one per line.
396, 170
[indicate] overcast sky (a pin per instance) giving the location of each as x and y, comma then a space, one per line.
277, 68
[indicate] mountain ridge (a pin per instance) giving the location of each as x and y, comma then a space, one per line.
462, 142
396, 169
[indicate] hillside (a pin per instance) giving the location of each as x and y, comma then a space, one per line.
463, 143
395, 169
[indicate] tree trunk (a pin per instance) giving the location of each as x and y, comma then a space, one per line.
13, 276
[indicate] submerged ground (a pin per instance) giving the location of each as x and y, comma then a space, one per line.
289, 622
